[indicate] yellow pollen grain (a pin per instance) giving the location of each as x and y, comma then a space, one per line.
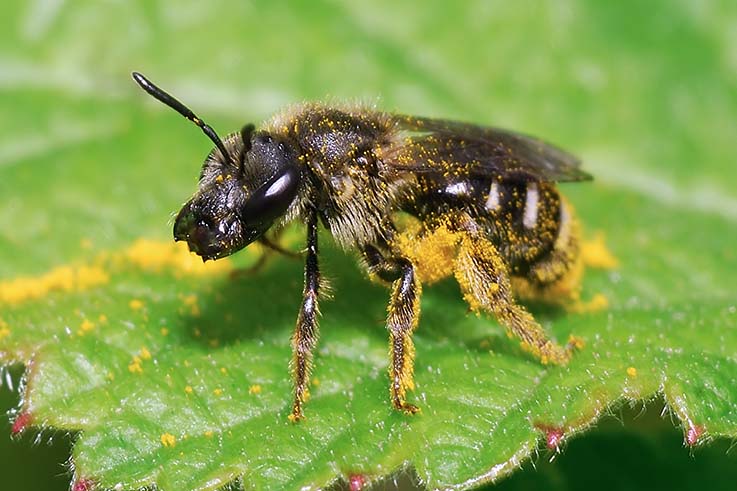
102, 319
87, 325
135, 365
145, 353
164, 331
168, 440
190, 301
315, 381
596, 254
135, 304
218, 392
254, 389
292, 418
188, 389
631, 372
219, 178
208, 434
223, 370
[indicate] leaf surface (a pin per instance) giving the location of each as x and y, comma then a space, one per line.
176, 375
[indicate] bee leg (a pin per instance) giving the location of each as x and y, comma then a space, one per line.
306, 330
273, 244
484, 280
253, 269
403, 313
270, 246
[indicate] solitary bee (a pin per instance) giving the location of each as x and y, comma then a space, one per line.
482, 206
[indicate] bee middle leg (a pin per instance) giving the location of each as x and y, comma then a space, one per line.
305, 334
403, 314
484, 279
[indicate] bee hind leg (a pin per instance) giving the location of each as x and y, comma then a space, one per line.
403, 314
484, 279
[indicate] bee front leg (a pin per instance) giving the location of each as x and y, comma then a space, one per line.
306, 330
484, 280
269, 246
403, 314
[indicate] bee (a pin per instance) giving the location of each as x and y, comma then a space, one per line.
420, 199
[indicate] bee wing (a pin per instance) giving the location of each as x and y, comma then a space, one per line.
455, 148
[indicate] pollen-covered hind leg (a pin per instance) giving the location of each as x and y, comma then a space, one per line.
402, 316
484, 280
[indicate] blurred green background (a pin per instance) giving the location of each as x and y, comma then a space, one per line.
644, 92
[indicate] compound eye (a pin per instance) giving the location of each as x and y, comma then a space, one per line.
272, 199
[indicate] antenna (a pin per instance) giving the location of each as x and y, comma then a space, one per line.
162, 96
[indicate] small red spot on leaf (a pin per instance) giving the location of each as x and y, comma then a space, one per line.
21, 423
553, 435
693, 433
356, 482
83, 485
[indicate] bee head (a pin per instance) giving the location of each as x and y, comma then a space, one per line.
237, 204
247, 182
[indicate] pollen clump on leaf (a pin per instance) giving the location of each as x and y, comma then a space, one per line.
218, 392
188, 389
168, 440
597, 303
254, 389
596, 254
59, 279
631, 372
145, 254
145, 353
156, 255
135, 304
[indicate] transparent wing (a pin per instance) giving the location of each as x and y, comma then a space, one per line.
455, 148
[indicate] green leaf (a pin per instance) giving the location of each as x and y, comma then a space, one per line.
176, 375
